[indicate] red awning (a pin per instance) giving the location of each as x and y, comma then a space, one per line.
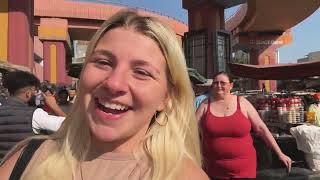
276, 72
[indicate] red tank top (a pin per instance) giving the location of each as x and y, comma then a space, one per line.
227, 145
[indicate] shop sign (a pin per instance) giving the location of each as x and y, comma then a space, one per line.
266, 42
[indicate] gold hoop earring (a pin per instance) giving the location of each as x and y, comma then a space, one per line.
165, 119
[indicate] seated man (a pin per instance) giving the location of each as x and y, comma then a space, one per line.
18, 120
62, 98
72, 95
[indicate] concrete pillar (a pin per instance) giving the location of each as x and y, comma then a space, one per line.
20, 35
209, 16
254, 59
268, 57
54, 62
53, 32
4, 22
263, 56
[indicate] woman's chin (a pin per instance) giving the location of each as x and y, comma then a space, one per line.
103, 133
105, 136
220, 94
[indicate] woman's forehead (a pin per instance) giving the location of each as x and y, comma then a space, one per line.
222, 76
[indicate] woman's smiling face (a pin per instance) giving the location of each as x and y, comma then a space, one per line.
221, 85
123, 84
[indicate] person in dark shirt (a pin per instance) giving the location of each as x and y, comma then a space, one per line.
19, 120
62, 98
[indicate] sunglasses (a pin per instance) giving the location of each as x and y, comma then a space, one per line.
222, 83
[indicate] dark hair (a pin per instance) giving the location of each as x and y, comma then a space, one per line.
223, 73
63, 91
46, 86
17, 80
63, 96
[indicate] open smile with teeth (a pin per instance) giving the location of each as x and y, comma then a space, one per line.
111, 107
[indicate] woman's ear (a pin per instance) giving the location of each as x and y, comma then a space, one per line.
164, 103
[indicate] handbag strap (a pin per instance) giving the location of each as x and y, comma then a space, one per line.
24, 158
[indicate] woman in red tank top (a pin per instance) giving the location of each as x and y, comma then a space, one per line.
226, 121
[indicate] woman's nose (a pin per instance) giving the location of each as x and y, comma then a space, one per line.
116, 82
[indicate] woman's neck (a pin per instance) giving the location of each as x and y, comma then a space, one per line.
98, 147
221, 97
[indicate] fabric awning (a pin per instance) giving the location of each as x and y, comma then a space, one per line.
276, 72
12, 67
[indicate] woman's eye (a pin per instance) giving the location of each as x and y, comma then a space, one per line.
103, 62
142, 72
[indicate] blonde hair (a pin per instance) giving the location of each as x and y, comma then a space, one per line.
181, 130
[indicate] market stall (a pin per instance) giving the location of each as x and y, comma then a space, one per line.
282, 112
276, 71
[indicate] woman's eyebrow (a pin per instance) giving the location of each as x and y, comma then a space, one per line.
103, 52
139, 62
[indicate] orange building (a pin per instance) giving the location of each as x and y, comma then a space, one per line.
39, 35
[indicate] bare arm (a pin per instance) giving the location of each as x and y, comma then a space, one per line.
7, 166
262, 130
201, 110
52, 103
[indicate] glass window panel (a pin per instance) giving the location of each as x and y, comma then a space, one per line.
196, 50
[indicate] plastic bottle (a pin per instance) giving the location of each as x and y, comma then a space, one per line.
297, 109
280, 113
293, 112
285, 113
301, 110
267, 112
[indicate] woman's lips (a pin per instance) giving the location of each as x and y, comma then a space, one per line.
108, 114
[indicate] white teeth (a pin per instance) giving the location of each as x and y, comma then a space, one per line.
114, 106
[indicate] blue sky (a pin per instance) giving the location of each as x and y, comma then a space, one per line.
306, 39
306, 35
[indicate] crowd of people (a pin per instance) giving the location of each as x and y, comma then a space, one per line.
29, 104
133, 116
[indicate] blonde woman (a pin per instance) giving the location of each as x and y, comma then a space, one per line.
133, 117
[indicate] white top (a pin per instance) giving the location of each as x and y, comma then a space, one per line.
41, 120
